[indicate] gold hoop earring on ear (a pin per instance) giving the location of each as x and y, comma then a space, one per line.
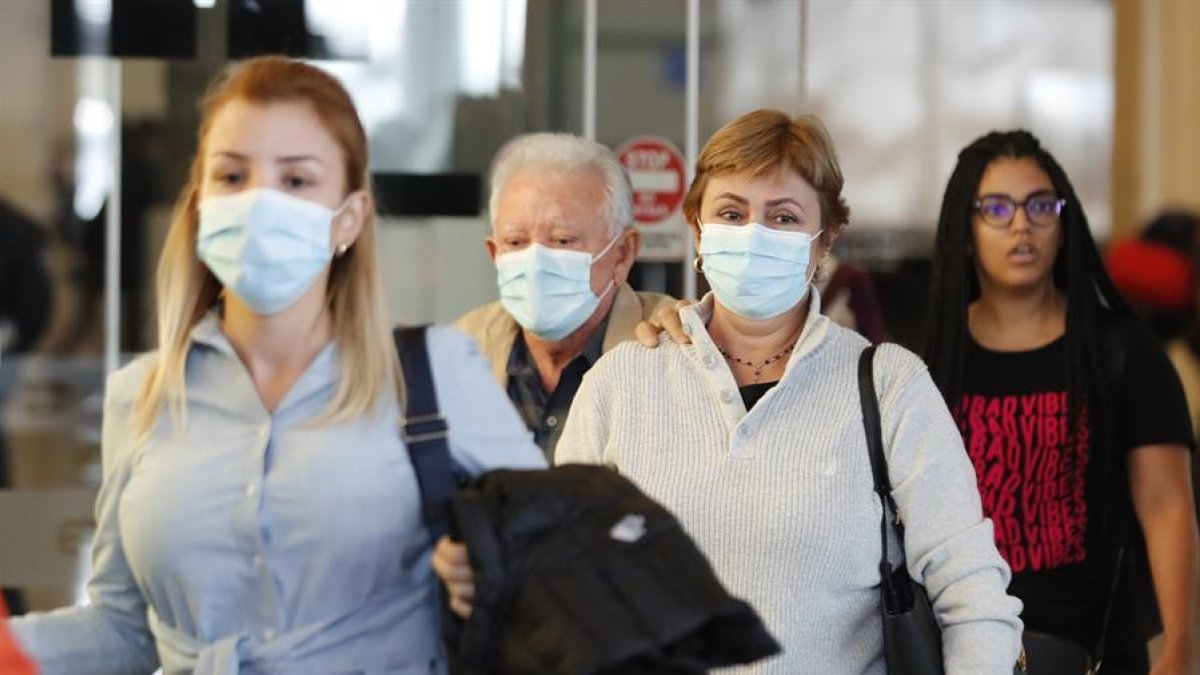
341, 249
696, 262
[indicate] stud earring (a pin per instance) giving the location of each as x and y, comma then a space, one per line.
341, 249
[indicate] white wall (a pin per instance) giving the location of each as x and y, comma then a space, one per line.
435, 269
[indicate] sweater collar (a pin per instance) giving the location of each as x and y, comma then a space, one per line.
695, 320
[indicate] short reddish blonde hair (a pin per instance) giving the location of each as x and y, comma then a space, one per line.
764, 141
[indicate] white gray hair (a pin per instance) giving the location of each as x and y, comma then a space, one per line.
566, 153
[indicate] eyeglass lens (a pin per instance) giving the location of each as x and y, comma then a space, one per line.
999, 210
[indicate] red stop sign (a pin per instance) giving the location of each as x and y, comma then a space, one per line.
655, 167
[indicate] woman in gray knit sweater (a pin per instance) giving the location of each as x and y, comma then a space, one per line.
752, 433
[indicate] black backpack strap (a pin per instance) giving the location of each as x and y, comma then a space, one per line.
425, 432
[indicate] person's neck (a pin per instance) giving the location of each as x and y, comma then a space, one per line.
551, 357
754, 340
278, 348
1011, 320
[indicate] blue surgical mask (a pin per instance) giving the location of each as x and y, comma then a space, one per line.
549, 290
755, 271
265, 246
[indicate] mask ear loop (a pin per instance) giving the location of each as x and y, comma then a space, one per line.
612, 283
808, 279
608, 248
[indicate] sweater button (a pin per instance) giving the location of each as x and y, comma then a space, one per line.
726, 396
710, 361
743, 431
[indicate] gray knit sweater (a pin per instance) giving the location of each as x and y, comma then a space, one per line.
781, 500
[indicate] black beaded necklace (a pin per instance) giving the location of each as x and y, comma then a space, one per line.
761, 366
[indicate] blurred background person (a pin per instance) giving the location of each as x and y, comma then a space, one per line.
26, 299
848, 296
1156, 272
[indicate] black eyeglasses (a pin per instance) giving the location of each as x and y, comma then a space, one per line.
1041, 210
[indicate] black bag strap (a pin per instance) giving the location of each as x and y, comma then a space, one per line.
883, 484
425, 432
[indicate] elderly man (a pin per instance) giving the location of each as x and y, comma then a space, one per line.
563, 243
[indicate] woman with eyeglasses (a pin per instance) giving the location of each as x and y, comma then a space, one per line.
1069, 410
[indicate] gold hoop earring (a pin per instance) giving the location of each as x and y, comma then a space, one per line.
696, 262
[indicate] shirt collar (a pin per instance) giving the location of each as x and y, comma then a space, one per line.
208, 332
595, 344
321, 373
519, 362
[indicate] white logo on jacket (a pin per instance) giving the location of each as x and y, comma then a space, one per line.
629, 529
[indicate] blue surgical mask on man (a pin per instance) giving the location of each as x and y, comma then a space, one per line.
265, 246
549, 290
756, 272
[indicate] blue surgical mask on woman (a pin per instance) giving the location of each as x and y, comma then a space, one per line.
265, 246
755, 271
549, 290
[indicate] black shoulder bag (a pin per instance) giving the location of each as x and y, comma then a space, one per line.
912, 638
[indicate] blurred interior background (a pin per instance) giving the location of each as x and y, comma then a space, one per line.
98, 117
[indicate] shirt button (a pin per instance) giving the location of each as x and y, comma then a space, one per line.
727, 396
251, 489
268, 635
552, 421
258, 561
743, 431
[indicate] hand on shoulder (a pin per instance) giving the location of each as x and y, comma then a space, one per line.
666, 319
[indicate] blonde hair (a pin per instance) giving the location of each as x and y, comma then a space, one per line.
764, 141
186, 290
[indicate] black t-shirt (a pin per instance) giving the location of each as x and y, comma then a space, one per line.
751, 393
1044, 490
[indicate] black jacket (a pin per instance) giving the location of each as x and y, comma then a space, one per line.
578, 572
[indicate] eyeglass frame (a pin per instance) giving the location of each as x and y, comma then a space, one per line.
1060, 203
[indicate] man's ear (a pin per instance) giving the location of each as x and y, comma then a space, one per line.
630, 245
626, 251
489, 243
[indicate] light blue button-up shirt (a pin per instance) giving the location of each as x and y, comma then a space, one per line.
251, 541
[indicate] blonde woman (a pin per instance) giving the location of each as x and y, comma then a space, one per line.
258, 511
